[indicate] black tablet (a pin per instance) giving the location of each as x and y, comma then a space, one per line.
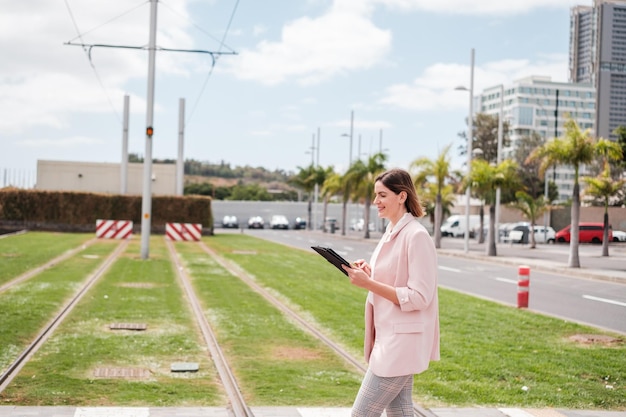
331, 256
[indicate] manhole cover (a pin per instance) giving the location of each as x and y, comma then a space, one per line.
128, 326
185, 367
130, 373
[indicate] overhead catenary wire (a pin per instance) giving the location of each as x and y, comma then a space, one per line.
206, 79
197, 26
81, 35
93, 67
87, 48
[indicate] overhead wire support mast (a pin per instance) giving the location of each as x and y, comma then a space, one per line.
158, 48
146, 202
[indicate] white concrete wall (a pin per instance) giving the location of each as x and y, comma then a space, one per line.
103, 177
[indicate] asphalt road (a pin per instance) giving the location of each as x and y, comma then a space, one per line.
594, 294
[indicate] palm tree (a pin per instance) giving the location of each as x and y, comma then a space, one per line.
485, 178
428, 197
306, 178
531, 208
361, 177
331, 186
435, 172
604, 187
576, 148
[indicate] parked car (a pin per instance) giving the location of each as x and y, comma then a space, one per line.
299, 223
230, 222
619, 236
278, 221
587, 233
544, 234
518, 233
358, 225
256, 222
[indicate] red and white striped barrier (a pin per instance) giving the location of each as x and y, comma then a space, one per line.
114, 229
523, 284
183, 231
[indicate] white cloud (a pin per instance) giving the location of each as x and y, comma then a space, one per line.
312, 50
434, 89
477, 7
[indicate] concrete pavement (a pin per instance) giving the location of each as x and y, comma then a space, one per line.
11, 411
548, 257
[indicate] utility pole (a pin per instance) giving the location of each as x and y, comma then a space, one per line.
124, 164
146, 202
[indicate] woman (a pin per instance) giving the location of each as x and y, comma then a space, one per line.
401, 311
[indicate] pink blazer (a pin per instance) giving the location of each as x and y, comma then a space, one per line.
402, 340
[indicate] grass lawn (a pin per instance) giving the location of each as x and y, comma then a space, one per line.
276, 362
24, 252
28, 306
492, 355
132, 291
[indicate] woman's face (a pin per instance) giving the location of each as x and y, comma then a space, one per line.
389, 204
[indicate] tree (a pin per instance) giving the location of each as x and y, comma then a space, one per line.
306, 178
604, 187
428, 198
332, 185
528, 171
576, 148
531, 207
361, 177
485, 178
485, 136
434, 172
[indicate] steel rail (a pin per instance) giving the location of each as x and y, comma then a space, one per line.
237, 271
31, 273
237, 402
14, 368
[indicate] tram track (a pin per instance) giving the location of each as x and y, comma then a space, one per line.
14, 368
237, 402
37, 270
305, 325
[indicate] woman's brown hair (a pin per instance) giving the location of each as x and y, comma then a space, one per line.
398, 180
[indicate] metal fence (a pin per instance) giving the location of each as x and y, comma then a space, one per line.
18, 178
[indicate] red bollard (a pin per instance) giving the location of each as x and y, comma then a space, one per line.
523, 284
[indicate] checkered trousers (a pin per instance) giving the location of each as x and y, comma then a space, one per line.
393, 394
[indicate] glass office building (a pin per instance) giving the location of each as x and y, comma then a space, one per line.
537, 104
597, 56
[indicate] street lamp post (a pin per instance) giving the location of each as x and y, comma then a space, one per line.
350, 135
470, 139
499, 160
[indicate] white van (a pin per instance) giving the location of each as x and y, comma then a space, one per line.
455, 225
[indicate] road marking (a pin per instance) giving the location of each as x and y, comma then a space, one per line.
507, 280
445, 268
604, 300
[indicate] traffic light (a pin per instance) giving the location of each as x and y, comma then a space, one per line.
149, 131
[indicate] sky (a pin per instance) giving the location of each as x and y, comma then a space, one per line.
282, 71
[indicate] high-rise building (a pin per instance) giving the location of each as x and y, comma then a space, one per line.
597, 55
538, 104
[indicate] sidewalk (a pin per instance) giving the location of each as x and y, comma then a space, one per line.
10, 411
549, 258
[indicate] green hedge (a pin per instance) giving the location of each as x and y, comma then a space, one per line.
76, 211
